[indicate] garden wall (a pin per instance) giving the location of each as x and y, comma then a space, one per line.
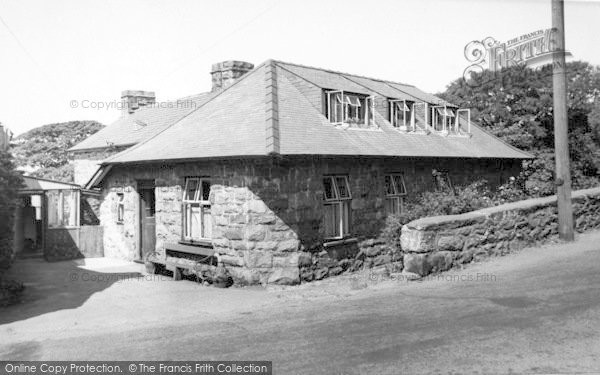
435, 244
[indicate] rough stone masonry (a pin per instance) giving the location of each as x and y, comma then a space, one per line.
435, 244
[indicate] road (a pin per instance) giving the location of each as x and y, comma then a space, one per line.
537, 311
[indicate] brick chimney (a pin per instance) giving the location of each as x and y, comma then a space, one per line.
227, 72
134, 99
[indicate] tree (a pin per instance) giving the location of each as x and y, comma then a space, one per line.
44, 150
515, 104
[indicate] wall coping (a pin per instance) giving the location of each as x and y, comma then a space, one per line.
469, 218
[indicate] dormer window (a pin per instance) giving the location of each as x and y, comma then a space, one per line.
443, 118
402, 114
450, 120
345, 108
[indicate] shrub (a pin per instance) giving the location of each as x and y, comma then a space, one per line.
467, 198
10, 181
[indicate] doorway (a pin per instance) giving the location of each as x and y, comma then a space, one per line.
147, 218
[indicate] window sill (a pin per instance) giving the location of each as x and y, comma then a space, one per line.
199, 243
337, 242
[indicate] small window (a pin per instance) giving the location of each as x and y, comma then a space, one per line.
120, 207
337, 206
350, 109
443, 119
197, 219
401, 113
395, 190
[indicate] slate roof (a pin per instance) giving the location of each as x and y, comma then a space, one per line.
269, 110
142, 124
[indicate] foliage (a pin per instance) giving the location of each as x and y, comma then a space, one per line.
45, 149
515, 104
10, 181
467, 198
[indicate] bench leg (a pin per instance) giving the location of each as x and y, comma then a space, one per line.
177, 274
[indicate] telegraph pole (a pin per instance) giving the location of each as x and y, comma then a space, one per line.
561, 139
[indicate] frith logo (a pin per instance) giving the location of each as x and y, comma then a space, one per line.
531, 50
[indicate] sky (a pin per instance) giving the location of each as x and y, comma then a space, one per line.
60, 58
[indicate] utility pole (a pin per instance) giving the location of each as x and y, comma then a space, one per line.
561, 138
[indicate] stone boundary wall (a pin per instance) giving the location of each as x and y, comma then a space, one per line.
435, 244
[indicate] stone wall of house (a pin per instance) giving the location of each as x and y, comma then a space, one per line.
438, 243
267, 212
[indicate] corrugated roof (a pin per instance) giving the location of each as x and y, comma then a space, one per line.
267, 103
144, 123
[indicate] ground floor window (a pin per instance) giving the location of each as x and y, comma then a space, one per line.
395, 191
338, 198
63, 208
197, 221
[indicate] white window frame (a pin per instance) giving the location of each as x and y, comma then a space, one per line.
397, 194
355, 109
61, 210
435, 111
186, 209
342, 204
404, 106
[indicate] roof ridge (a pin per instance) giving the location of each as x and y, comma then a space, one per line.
272, 108
343, 73
139, 144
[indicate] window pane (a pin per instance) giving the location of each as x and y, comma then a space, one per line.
205, 189
191, 185
69, 207
195, 222
206, 222
120, 212
399, 184
336, 110
331, 220
53, 202
389, 187
353, 100
342, 187
328, 188
345, 217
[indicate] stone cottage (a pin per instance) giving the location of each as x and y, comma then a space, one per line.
282, 172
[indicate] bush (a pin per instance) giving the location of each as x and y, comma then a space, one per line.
467, 198
10, 181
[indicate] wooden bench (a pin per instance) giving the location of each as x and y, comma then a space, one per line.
178, 267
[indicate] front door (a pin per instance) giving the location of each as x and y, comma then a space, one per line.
147, 219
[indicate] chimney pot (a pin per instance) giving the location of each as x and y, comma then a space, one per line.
225, 73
